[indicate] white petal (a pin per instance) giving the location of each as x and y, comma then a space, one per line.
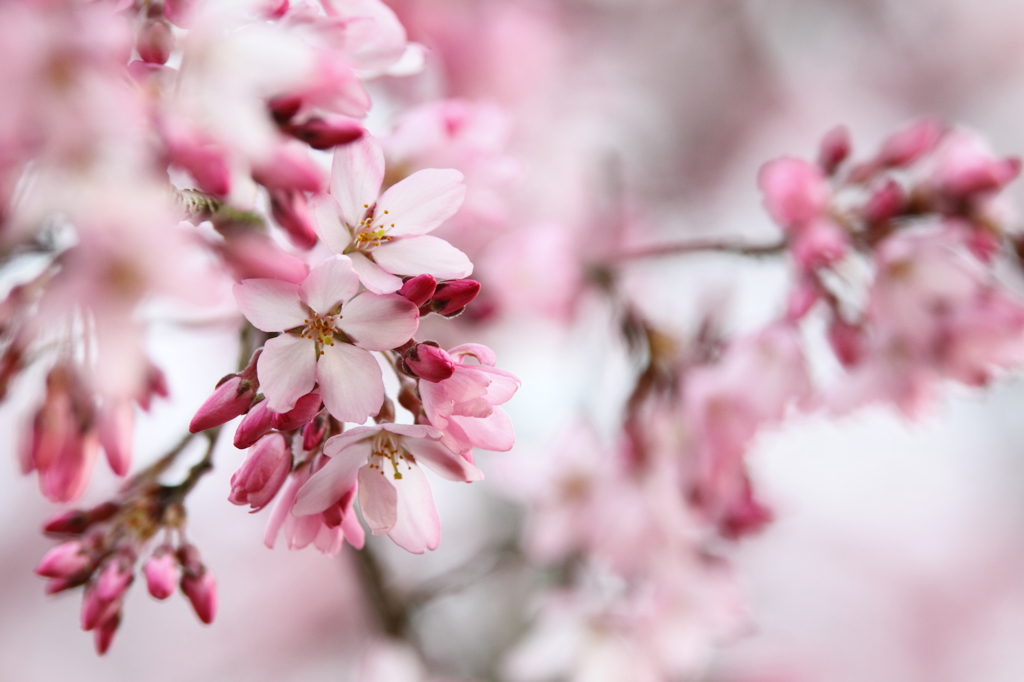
356, 175
271, 305
421, 202
378, 500
286, 370
329, 283
418, 527
373, 277
379, 322
351, 382
327, 217
423, 255
334, 479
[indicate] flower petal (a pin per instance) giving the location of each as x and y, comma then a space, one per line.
327, 217
329, 283
490, 433
271, 305
334, 479
423, 255
378, 322
356, 176
336, 444
373, 276
503, 384
351, 382
443, 461
378, 500
286, 370
421, 202
418, 527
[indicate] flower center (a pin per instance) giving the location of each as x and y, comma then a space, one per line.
386, 447
372, 232
321, 328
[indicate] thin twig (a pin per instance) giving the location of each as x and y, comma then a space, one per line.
709, 244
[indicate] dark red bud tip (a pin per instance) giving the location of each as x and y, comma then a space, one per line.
284, 108
429, 362
321, 134
451, 298
835, 147
155, 42
201, 591
419, 289
103, 635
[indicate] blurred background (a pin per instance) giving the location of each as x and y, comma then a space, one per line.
897, 553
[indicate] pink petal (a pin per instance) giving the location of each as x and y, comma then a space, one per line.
443, 461
411, 430
418, 527
336, 444
421, 202
351, 382
329, 283
282, 510
373, 277
336, 478
503, 384
378, 500
286, 370
356, 176
483, 354
327, 217
423, 255
490, 433
271, 305
379, 322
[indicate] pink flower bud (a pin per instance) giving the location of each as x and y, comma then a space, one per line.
203, 158
291, 212
155, 42
95, 609
429, 362
321, 134
306, 407
232, 397
156, 385
290, 169
847, 341
284, 108
802, 298
252, 255
885, 203
263, 473
64, 560
313, 433
795, 191
256, 424
835, 147
820, 243
201, 590
161, 572
965, 166
115, 579
103, 635
905, 146
451, 298
76, 521
745, 515
419, 289
117, 424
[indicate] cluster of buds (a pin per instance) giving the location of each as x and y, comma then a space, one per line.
447, 299
102, 548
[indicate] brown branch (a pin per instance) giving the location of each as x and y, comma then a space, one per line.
705, 245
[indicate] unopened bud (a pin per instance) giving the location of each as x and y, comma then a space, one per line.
256, 424
230, 399
64, 560
429, 362
847, 341
418, 289
905, 146
313, 433
451, 298
284, 108
76, 521
117, 423
386, 414
161, 572
155, 41
291, 212
201, 590
835, 147
290, 170
321, 134
262, 474
115, 579
103, 635
306, 407
885, 203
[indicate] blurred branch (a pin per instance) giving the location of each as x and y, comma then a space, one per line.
715, 245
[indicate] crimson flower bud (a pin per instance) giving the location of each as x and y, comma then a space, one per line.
103, 635
290, 170
291, 212
313, 433
321, 134
155, 41
835, 147
847, 341
256, 424
885, 203
64, 560
451, 298
201, 590
161, 572
306, 407
262, 474
232, 397
284, 108
427, 361
905, 146
76, 521
418, 289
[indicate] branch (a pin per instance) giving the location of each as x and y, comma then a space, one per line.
709, 244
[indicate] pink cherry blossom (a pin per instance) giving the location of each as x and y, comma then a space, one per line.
263, 473
326, 330
387, 236
327, 531
464, 407
394, 495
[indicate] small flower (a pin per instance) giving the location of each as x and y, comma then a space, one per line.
263, 473
326, 333
387, 236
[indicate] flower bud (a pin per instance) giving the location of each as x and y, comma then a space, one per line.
291, 212
321, 134
155, 41
251, 255
284, 108
117, 423
115, 579
847, 341
201, 590
76, 521
64, 560
161, 572
451, 298
795, 191
429, 362
905, 146
103, 635
306, 407
885, 203
232, 397
418, 289
313, 433
835, 147
262, 474
290, 169
256, 424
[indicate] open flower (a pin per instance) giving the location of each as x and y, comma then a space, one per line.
326, 331
387, 237
394, 495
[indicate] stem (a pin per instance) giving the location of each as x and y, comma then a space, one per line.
712, 244
392, 614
